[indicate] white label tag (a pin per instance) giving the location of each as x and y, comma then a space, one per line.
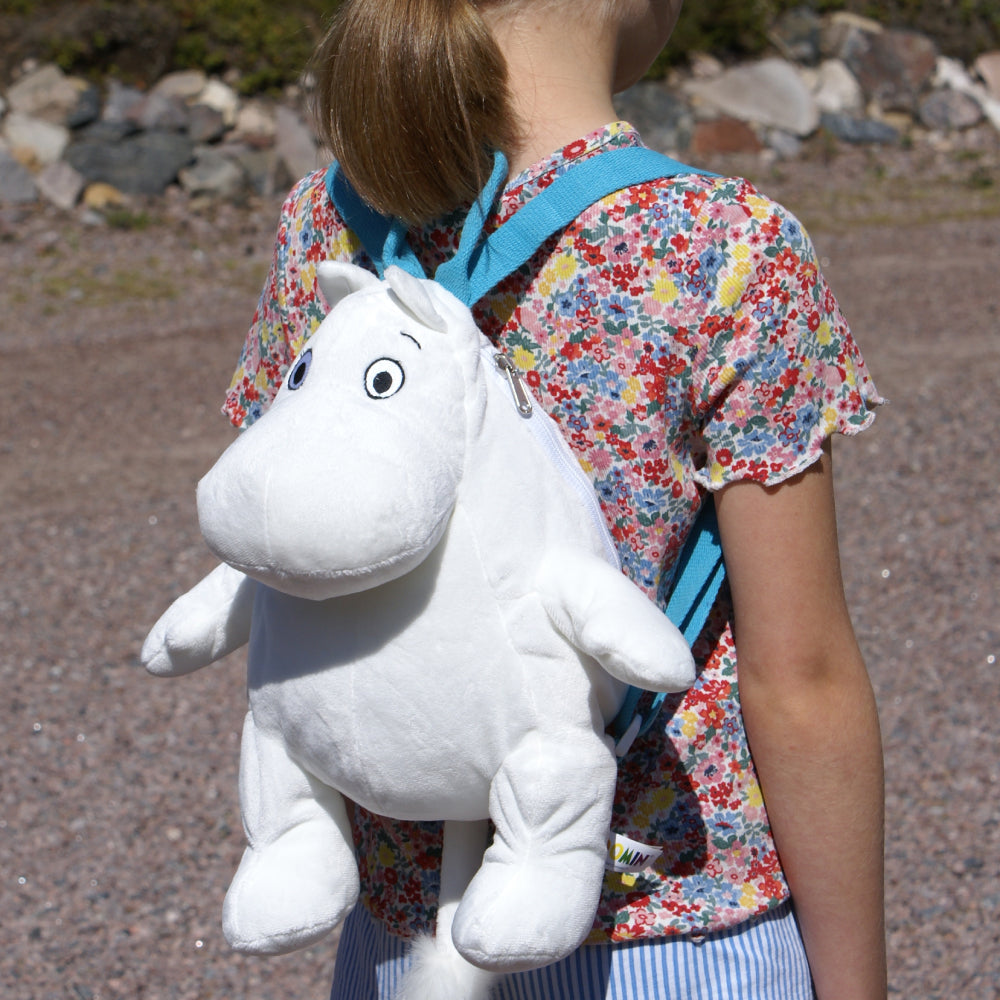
626, 855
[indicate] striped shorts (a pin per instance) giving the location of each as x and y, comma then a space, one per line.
763, 959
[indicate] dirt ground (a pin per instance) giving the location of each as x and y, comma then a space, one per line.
119, 827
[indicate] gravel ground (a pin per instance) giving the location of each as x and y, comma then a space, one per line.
119, 827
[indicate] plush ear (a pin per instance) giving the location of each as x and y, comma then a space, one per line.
338, 279
411, 294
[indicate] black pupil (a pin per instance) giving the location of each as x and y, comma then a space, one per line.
382, 382
298, 375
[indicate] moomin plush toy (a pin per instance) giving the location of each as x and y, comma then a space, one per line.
438, 630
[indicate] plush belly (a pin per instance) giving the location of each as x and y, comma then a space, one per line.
408, 697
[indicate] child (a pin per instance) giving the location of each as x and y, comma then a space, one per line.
681, 334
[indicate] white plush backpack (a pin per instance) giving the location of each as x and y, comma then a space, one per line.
438, 626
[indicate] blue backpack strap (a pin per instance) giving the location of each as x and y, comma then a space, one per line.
481, 264
486, 262
698, 576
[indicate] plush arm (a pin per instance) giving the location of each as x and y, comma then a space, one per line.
811, 722
203, 625
604, 614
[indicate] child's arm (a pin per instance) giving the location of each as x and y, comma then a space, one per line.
811, 722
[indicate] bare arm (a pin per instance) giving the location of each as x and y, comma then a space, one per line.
811, 722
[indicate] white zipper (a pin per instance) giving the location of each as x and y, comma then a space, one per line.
552, 442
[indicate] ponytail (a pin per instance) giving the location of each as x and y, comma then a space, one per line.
412, 99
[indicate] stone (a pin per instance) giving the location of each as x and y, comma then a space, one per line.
987, 68
704, 65
841, 30
950, 73
34, 140
663, 120
143, 164
265, 172
835, 88
223, 99
17, 186
184, 85
61, 185
46, 93
158, 111
121, 102
782, 144
87, 108
100, 197
256, 125
769, 92
205, 124
893, 67
796, 34
295, 144
853, 129
213, 174
949, 111
103, 131
724, 136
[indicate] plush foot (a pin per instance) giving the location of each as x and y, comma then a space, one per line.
533, 900
520, 917
290, 894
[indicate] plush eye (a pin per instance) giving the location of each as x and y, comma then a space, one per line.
384, 378
299, 370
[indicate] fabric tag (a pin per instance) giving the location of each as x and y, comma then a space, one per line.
626, 855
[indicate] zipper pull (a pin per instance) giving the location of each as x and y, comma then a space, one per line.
521, 396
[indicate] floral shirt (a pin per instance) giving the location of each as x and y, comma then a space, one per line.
682, 335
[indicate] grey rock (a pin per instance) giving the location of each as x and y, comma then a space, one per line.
43, 141
771, 92
859, 130
796, 34
893, 67
950, 110
105, 131
265, 171
121, 102
157, 111
61, 185
143, 164
17, 187
205, 124
295, 144
786, 146
664, 121
213, 174
87, 108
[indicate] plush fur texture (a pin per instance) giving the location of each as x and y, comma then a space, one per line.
435, 630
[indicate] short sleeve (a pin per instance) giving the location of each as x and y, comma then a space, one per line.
776, 370
291, 305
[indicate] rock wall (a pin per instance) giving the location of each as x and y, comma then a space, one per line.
70, 143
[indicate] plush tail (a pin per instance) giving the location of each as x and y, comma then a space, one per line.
438, 971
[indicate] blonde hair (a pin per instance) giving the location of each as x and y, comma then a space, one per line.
412, 100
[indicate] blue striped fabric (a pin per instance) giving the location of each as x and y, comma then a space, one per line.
761, 960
